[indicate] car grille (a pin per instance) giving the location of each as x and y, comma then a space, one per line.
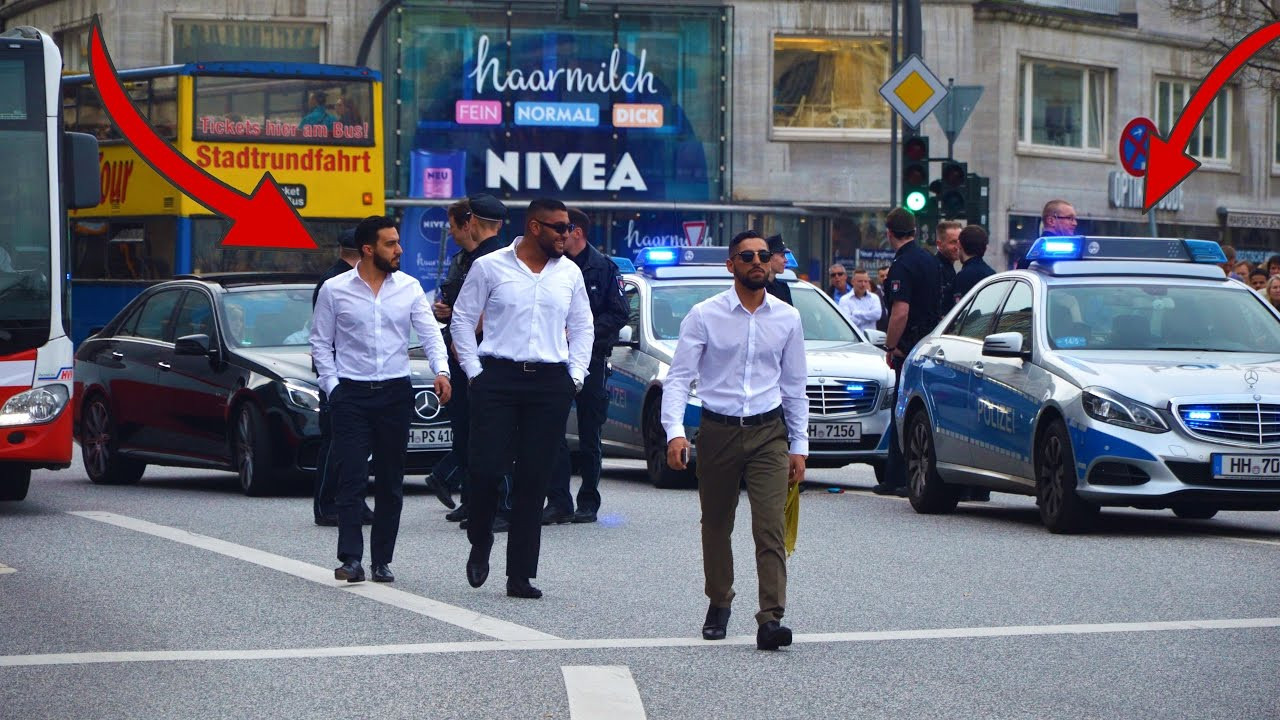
841, 396
1254, 424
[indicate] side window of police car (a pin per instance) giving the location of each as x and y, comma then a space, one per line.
631, 295
1016, 315
975, 320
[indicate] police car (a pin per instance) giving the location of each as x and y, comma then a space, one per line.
850, 387
1113, 371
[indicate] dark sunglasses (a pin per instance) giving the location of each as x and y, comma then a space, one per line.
747, 256
558, 228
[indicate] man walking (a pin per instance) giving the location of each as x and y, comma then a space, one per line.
609, 310
948, 254
839, 281
360, 347
745, 350
862, 306
912, 297
523, 374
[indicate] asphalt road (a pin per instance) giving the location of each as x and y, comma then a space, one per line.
180, 598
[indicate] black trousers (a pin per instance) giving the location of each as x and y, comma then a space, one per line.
370, 419
453, 467
326, 481
517, 416
593, 407
895, 465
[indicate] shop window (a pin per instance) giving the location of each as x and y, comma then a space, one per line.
1062, 106
1211, 139
829, 87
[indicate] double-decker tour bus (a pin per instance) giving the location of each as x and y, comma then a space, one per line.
46, 172
316, 128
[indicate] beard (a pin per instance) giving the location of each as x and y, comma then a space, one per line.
548, 245
386, 266
752, 283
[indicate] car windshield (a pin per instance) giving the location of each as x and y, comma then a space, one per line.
1160, 317
821, 320
269, 317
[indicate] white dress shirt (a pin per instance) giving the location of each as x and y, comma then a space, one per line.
361, 336
745, 364
863, 312
526, 314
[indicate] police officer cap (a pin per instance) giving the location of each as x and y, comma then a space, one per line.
487, 207
347, 239
775, 244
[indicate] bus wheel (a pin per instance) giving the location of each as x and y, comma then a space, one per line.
102, 461
252, 452
14, 483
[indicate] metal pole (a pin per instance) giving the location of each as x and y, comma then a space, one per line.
893, 123
1151, 222
951, 117
366, 45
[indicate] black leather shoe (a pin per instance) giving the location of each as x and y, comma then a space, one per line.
501, 524
976, 494
717, 623
773, 635
882, 489
457, 515
442, 492
520, 588
327, 520
382, 573
584, 516
350, 571
555, 516
477, 567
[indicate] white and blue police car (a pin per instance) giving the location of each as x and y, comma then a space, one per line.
1113, 371
850, 388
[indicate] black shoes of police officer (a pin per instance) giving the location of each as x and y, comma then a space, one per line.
477, 567
717, 623
382, 573
442, 493
552, 515
773, 635
351, 571
584, 516
457, 515
882, 489
520, 588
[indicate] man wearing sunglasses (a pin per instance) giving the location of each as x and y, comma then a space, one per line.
839, 281
745, 350
524, 375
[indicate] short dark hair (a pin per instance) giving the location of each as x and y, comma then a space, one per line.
543, 205
1258, 271
946, 225
367, 230
460, 211
901, 222
744, 235
580, 219
1273, 260
973, 240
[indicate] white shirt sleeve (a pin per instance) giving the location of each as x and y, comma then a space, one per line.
467, 310
791, 383
322, 351
684, 370
424, 323
864, 312
582, 331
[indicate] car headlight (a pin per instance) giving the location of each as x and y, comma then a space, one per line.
35, 406
302, 394
1110, 407
890, 395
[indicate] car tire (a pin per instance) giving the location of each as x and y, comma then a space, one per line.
655, 452
1061, 509
98, 448
1192, 512
251, 451
14, 483
926, 491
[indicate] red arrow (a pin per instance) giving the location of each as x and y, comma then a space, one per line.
263, 219
1168, 163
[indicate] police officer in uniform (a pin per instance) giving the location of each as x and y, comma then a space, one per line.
604, 290
912, 297
777, 265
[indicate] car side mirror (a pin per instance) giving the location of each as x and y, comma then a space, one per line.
625, 337
875, 337
194, 345
1003, 345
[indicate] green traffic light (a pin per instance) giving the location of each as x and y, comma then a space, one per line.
915, 201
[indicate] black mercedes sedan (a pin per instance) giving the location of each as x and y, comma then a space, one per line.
215, 372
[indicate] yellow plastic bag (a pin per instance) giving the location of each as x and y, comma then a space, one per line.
791, 516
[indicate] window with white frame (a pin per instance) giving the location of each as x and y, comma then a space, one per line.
1062, 106
1211, 139
830, 86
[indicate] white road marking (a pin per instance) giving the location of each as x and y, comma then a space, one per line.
1249, 540
602, 692
630, 643
452, 614
5, 570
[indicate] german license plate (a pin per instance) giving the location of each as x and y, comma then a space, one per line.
835, 431
430, 438
1246, 466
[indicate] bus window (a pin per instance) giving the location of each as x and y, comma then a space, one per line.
130, 250
333, 111
209, 256
164, 106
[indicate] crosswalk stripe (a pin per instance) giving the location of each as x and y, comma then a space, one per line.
602, 692
5, 570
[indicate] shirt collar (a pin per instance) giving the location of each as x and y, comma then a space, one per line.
391, 276
735, 302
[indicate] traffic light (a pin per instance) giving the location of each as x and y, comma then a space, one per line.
915, 173
952, 190
977, 199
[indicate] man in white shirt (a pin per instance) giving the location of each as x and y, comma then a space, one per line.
745, 350
524, 375
360, 347
862, 306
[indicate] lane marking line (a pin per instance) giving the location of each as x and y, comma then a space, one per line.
628, 643
5, 570
444, 612
1248, 540
602, 692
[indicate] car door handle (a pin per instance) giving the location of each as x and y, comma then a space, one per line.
117, 355
164, 365
978, 369
939, 355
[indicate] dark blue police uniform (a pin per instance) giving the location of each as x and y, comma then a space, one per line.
946, 284
971, 273
914, 278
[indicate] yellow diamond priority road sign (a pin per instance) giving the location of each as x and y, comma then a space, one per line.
913, 91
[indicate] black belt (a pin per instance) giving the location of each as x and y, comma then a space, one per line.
373, 384
488, 361
748, 421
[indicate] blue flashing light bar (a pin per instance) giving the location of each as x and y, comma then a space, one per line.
625, 265
653, 256
1084, 247
855, 390
1199, 415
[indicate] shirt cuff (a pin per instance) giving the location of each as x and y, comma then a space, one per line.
328, 384
444, 373
800, 447
675, 432
472, 368
579, 376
